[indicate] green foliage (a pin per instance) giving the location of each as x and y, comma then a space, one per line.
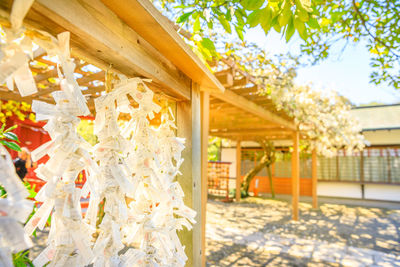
31, 190
206, 19
243, 193
375, 22
320, 23
214, 148
7, 137
21, 259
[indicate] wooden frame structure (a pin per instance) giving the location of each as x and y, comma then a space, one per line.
241, 114
131, 37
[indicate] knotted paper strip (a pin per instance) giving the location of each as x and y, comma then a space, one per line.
69, 242
14, 210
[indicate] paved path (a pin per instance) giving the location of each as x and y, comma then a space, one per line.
260, 233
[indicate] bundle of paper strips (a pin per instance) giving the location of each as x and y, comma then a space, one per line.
14, 210
130, 172
70, 237
157, 210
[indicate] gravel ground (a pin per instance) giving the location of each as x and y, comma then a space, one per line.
260, 232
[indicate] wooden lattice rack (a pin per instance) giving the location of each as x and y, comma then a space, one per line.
218, 179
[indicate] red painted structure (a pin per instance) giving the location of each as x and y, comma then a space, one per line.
32, 135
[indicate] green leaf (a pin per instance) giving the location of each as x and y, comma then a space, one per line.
239, 31
285, 16
11, 136
289, 30
239, 17
303, 15
277, 27
225, 23
11, 145
10, 129
196, 25
300, 27
254, 18
207, 43
266, 19
252, 4
184, 17
313, 23
228, 15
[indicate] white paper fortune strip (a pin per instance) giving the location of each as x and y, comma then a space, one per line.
70, 237
115, 178
157, 210
14, 210
15, 52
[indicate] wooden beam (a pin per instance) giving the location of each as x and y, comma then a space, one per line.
101, 38
205, 102
93, 90
98, 76
238, 170
314, 179
240, 82
225, 78
148, 22
246, 105
295, 177
46, 75
271, 130
17, 97
252, 137
247, 90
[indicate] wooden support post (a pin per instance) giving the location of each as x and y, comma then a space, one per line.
362, 174
238, 170
295, 177
189, 127
314, 179
205, 116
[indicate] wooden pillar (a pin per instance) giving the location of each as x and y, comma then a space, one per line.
189, 126
295, 177
362, 174
238, 170
205, 116
314, 179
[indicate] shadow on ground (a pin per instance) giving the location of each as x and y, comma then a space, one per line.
259, 232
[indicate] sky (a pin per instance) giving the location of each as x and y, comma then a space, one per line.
346, 73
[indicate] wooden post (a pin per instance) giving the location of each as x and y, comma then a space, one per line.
337, 168
295, 177
314, 179
362, 174
189, 127
238, 170
205, 116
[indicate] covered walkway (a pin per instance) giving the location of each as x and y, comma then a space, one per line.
241, 114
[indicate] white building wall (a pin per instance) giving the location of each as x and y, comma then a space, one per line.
382, 192
229, 155
335, 189
383, 137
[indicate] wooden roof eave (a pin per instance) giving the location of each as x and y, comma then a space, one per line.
148, 22
246, 105
101, 38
